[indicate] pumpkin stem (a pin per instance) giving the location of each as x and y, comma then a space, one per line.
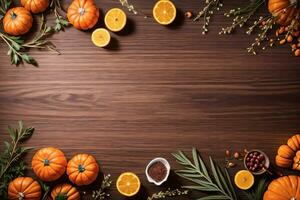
21, 196
81, 168
46, 162
293, 198
81, 11
13, 15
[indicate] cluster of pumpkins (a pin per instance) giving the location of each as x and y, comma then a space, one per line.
82, 14
49, 164
286, 187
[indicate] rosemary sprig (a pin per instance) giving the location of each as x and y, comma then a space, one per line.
219, 184
18, 47
11, 165
101, 193
168, 193
60, 21
241, 15
207, 12
257, 192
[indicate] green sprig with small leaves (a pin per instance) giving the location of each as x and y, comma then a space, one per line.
207, 12
168, 193
18, 47
102, 192
60, 21
11, 163
216, 183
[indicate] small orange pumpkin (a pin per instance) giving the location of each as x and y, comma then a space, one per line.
82, 169
283, 188
83, 14
35, 6
49, 164
24, 188
288, 155
65, 191
17, 21
284, 10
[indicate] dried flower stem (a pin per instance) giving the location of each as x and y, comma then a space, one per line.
241, 15
131, 8
168, 193
207, 12
101, 193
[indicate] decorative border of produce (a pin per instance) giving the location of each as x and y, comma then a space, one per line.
258, 178
284, 18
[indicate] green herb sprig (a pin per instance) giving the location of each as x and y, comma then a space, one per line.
11, 164
168, 193
4, 6
18, 47
60, 21
218, 185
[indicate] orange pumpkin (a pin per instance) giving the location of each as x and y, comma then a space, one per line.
17, 21
49, 164
35, 6
82, 169
288, 155
284, 10
65, 191
24, 188
83, 14
283, 188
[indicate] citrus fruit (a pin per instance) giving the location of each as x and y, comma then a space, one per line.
244, 179
128, 184
164, 12
101, 37
115, 19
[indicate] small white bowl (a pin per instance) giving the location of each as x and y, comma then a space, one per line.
167, 165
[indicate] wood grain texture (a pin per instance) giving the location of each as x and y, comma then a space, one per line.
154, 91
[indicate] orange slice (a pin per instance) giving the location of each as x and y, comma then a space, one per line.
101, 37
164, 12
115, 19
244, 179
128, 184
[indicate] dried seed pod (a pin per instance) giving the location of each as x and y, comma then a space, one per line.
289, 38
297, 52
282, 41
236, 155
227, 153
294, 46
188, 14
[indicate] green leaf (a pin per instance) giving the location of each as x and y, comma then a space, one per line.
12, 133
215, 174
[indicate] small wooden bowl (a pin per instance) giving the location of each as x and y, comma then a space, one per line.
267, 162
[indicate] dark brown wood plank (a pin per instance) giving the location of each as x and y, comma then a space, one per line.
157, 90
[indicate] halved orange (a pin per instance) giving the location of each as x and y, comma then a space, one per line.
164, 12
115, 19
244, 179
101, 37
128, 184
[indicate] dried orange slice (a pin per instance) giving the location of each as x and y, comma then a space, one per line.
101, 37
244, 179
115, 19
164, 12
128, 184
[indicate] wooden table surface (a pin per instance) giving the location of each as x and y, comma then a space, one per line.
154, 91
